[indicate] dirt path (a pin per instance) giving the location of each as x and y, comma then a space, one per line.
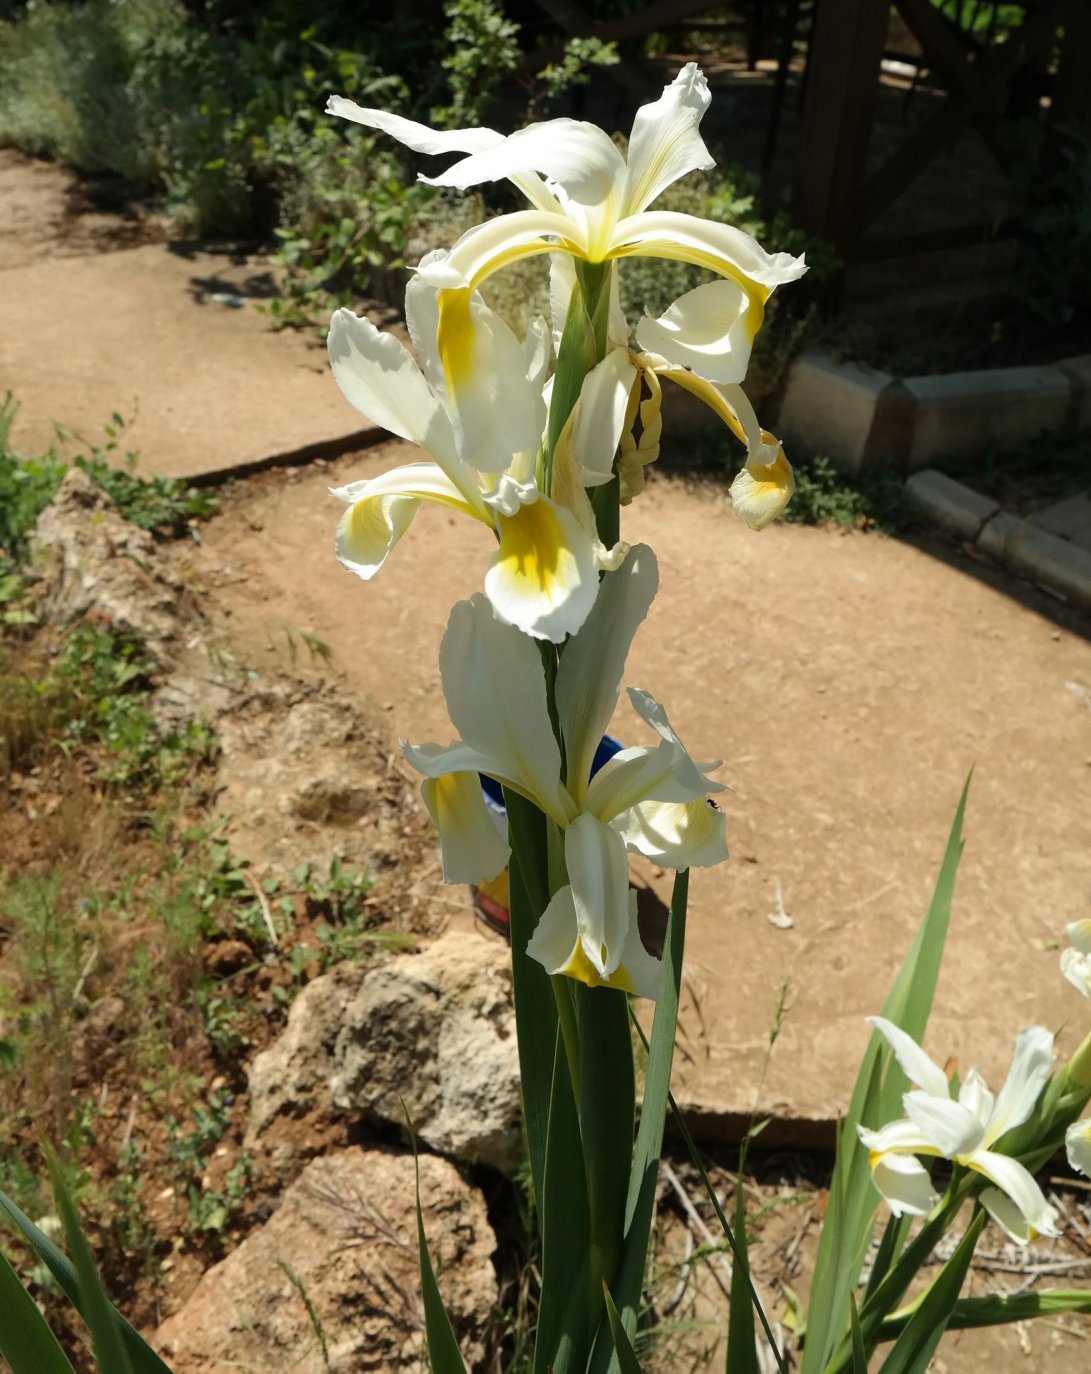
849, 682
101, 315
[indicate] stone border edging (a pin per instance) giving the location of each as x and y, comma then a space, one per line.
355, 441
864, 419
1059, 565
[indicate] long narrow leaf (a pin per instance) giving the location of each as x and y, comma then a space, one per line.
95, 1307
143, 1357
623, 1347
26, 1341
915, 1347
742, 1352
887, 1294
443, 1353
1000, 1308
535, 1009
859, 1353
640, 1204
563, 1334
607, 1116
853, 1204
890, 1247
729, 1233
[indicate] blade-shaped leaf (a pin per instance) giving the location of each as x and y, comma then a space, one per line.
607, 1116
95, 1307
443, 1352
1000, 1308
859, 1353
742, 1352
623, 1348
563, 1335
640, 1203
915, 1347
26, 1341
890, 1247
143, 1358
853, 1203
535, 1008
699, 1165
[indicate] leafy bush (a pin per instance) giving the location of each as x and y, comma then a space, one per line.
224, 121
1056, 259
164, 505
66, 91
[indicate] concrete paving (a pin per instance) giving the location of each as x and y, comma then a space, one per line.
1051, 547
171, 339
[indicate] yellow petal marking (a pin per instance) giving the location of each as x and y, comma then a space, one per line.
756, 294
706, 391
533, 554
583, 970
367, 517
455, 336
761, 491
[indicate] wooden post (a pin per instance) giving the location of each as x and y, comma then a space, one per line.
835, 123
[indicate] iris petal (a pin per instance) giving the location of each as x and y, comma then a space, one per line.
496, 698
676, 834
380, 510
760, 491
664, 143
471, 848
591, 669
1017, 1184
542, 579
704, 330
599, 874
917, 1066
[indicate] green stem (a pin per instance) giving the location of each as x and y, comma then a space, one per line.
575, 358
594, 281
570, 1036
583, 344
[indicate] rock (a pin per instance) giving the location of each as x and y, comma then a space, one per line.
91, 559
290, 1079
303, 782
437, 1029
346, 1231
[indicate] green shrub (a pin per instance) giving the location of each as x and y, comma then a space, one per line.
66, 92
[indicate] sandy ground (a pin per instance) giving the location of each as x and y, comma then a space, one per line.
849, 682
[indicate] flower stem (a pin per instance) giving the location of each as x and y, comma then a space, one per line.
570, 1036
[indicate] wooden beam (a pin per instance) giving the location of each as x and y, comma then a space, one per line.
841, 85
977, 103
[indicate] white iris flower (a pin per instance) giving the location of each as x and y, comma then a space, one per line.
543, 575
1077, 1141
1076, 961
651, 799
704, 360
590, 203
963, 1131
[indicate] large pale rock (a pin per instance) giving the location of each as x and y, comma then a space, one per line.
303, 778
289, 1081
347, 1232
437, 1030
90, 559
